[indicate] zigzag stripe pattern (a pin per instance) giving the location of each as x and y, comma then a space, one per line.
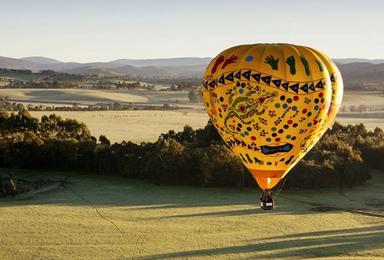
258, 77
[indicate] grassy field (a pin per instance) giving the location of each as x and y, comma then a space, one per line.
135, 126
363, 98
370, 123
160, 222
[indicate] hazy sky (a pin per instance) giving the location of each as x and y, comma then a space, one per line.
105, 30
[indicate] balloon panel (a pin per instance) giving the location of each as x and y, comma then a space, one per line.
337, 87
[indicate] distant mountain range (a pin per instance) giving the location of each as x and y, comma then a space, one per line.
362, 72
352, 69
172, 67
354, 60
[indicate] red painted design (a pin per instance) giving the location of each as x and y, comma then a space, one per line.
222, 59
217, 63
230, 60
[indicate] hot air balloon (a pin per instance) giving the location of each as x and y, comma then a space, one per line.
271, 103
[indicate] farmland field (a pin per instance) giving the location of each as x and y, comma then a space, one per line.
144, 221
135, 126
138, 126
84, 96
356, 98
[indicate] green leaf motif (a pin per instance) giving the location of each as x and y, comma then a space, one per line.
320, 64
306, 65
292, 64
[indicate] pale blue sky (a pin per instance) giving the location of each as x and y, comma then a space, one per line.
86, 30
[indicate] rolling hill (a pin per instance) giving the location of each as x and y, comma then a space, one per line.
354, 60
41, 60
353, 70
363, 72
12, 63
172, 67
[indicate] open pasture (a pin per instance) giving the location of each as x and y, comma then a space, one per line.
138, 220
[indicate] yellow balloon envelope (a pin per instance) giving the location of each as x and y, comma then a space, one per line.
271, 103
337, 87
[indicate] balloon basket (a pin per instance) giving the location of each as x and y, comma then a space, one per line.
266, 205
266, 201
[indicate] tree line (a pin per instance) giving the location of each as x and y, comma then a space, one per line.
343, 157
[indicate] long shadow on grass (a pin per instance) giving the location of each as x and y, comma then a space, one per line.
331, 243
223, 213
138, 195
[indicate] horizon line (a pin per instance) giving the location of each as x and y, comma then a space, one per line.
162, 58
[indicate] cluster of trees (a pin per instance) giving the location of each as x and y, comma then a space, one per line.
192, 81
192, 87
6, 72
181, 86
41, 79
42, 74
133, 85
190, 157
44, 84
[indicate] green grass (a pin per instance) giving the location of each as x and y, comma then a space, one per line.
158, 222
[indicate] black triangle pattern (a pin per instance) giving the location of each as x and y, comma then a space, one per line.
221, 79
205, 84
267, 79
319, 84
277, 82
256, 76
247, 74
295, 87
212, 84
305, 87
229, 77
333, 78
312, 87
